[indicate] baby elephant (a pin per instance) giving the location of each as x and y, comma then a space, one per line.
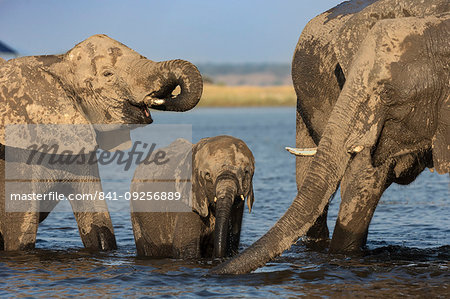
222, 172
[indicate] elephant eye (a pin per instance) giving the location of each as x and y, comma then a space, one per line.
207, 175
107, 73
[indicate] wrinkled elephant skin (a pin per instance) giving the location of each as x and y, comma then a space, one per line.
373, 96
100, 81
222, 170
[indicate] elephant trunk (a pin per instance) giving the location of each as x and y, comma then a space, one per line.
322, 179
226, 191
178, 73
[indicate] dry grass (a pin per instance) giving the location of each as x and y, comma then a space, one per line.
232, 96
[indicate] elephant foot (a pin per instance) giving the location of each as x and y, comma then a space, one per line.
98, 238
317, 245
96, 230
345, 241
19, 246
17, 242
18, 231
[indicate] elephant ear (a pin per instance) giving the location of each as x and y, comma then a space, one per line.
199, 197
250, 198
187, 183
441, 141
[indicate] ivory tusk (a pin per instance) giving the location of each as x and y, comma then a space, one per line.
356, 149
157, 102
242, 197
215, 199
302, 151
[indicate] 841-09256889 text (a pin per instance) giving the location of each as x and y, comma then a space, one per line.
156, 196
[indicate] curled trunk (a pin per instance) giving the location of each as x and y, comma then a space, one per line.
178, 73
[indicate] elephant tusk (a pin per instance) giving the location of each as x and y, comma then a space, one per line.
356, 149
302, 151
152, 101
242, 197
215, 199
157, 102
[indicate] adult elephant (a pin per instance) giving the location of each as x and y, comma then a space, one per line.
99, 81
321, 63
222, 169
390, 120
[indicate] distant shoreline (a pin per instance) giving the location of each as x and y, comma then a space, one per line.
247, 96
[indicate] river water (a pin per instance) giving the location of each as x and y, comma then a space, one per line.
408, 244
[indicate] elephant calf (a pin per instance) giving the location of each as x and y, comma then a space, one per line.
222, 172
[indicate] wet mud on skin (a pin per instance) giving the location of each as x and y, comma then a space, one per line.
408, 243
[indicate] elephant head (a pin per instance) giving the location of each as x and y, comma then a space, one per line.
394, 94
223, 168
99, 81
108, 76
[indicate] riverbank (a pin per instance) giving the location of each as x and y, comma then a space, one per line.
236, 96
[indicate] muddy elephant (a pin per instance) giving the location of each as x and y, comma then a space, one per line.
389, 122
319, 70
100, 81
222, 169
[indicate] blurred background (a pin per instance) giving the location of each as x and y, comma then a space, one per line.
243, 48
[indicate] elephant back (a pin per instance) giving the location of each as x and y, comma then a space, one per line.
175, 152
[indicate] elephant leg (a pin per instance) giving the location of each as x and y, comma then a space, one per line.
92, 216
187, 236
96, 230
361, 189
93, 219
2, 196
19, 230
319, 231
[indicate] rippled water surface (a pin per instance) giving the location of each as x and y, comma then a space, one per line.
408, 244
